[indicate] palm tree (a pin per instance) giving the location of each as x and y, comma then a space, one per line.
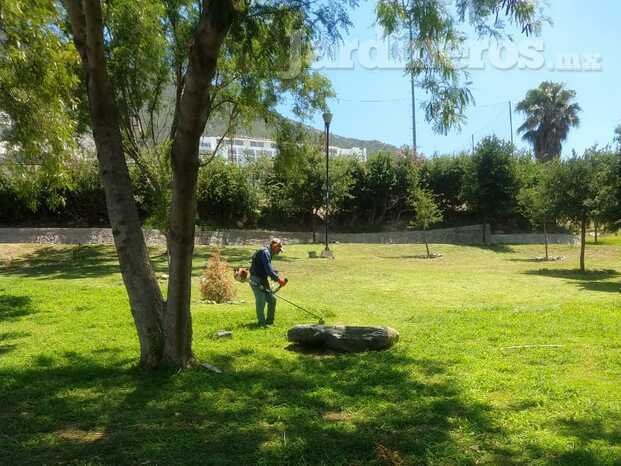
550, 114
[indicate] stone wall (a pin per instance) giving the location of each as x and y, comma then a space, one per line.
460, 235
535, 238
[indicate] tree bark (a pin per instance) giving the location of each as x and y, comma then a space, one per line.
372, 214
545, 238
193, 113
583, 226
596, 227
426, 244
382, 214
142, 288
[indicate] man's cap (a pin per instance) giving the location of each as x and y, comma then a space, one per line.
277, 241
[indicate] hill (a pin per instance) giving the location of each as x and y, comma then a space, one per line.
259, 129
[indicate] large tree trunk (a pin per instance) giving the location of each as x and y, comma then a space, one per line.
142, 288
583, 226
193, 114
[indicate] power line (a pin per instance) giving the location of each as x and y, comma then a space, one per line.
404, 99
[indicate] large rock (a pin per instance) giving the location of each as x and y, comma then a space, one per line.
343, 338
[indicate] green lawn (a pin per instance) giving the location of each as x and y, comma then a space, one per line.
454, 390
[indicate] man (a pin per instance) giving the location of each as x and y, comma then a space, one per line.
260, 270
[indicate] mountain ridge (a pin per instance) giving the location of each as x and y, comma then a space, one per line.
259, 129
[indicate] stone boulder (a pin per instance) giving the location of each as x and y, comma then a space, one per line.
343, 338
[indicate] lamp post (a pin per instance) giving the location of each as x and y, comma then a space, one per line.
327, 118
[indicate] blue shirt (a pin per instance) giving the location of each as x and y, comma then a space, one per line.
262, 265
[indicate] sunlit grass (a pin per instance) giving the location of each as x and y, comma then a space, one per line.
502, 359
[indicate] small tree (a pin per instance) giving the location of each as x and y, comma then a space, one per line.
427, 212
534, 203
490, 183
217, 282
618, 135
573, 194
605, 207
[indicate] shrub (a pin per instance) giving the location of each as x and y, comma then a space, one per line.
217, 281
225, 196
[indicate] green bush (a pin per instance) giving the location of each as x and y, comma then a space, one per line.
444, 176
12, 209
226, 197
85, 203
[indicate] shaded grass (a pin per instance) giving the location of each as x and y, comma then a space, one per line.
446, 394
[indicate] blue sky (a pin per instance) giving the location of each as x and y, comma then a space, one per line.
373, 100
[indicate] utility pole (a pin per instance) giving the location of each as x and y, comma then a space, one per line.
511, 120
473, 144
327, 118
413, 85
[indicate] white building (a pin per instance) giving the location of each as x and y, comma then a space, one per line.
357, 152
241, 150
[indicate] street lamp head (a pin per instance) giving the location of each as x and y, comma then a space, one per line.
327, 117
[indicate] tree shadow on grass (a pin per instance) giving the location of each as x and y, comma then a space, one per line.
13, 307
66, 263
538, 260
498, 248
7, 340
574, 274
587, 430
592, 280
294, 409
434, 257
95, 261
592, 442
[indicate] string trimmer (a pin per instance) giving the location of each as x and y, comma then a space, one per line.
277, 289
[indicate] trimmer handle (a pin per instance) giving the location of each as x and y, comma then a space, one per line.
275, 290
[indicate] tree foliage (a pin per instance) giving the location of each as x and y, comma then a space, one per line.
39, 95
445, 176
577, 193
426, 210
490, 182
438, 37
298, 187
225, 196
535, 198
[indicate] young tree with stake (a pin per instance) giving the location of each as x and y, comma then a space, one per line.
534, 201
427, 212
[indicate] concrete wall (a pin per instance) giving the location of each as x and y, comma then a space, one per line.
461, 235
535, 238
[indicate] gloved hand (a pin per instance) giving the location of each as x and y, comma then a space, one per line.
282, 281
